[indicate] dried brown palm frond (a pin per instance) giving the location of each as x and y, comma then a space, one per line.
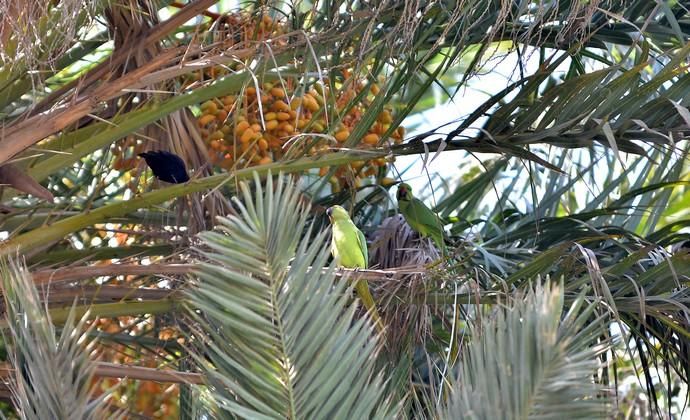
395, 245
34, 34
17, 179
402, 298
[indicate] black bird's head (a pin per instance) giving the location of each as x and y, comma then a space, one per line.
166, 166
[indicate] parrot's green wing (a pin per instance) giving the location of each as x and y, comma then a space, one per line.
426, 217
362, 241
423, 220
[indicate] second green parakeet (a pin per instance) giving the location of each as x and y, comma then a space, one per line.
420, 217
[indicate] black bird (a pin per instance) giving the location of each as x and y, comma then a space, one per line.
166, 166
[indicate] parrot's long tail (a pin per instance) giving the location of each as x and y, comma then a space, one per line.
362, 289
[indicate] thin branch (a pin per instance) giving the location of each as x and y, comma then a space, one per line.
106, 293
115, 370
70, 274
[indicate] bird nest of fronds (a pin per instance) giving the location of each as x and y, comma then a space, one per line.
403, 298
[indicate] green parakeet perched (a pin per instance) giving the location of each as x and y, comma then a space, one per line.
420, 217
348, 246
349, 249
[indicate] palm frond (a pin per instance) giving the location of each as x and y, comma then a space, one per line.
281, 338
531, 360
53, 370
395, 245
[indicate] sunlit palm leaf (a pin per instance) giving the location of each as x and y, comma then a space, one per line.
530, 361
282, 341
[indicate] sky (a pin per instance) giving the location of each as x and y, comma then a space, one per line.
478, 90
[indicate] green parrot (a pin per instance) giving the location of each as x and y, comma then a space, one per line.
349, 249
420, 217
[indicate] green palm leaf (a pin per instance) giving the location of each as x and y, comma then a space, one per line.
281, 337
533, 362
53, 371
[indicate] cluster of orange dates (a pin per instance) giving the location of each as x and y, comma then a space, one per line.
265, 121
152, 399
259, 127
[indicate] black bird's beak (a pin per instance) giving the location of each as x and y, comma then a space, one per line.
328, 212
